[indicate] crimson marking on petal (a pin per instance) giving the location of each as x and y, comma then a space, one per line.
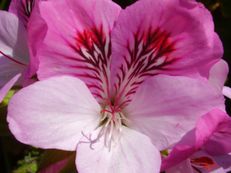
147, 56
12, 59
93, 48
203, 162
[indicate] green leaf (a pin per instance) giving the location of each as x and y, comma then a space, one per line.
7, 98
29, 164
27, 168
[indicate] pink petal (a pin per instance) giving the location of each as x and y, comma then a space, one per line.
162, 36
53, 113
23, 9
124, 156
224, 161
227, 92
197, 138
219, 141
165, 107
4, 90
13, 39
82, 32
183, 167
218, 74
8, 70
37, 29
13, 47
207, 125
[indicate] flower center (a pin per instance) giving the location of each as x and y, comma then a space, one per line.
111, 124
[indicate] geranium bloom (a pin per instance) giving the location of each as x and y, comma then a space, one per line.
204, 149
14, 54
28, 13
117, 96
14, 51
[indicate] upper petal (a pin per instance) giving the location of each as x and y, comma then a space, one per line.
53, 113
82, 32
125, 155
162, 36
166, 107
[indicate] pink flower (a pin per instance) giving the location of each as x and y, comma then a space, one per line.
29, 14
118, 108
204, 149
14, 54
146, 29
14, 51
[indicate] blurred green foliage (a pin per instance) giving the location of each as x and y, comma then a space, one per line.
29, 164
18, 158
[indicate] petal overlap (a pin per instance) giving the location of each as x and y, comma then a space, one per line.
165, 107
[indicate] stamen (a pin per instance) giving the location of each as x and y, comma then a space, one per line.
110, 126
149, 54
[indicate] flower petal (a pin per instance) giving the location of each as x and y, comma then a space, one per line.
23, 9
227, 91
4, 90
220, 139
12, 44
198, 138
218, 74
182, 167
8, 70
146, 41
13, 39
124, 156
82, 32
224, 161
165, 107
53, 113
36, 28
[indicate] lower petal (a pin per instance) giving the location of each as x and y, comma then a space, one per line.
124, 156
166, 107
53, 113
